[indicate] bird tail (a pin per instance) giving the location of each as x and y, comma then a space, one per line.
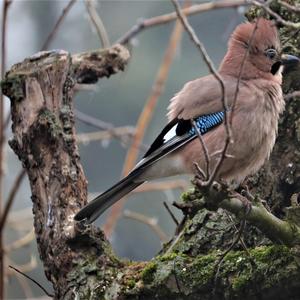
96, 207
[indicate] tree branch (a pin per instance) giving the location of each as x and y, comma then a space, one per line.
143, 121
97, 22
217, 76
279, 231
6, 4
192, 10
78, 260
41, 89
57, 24
277, 17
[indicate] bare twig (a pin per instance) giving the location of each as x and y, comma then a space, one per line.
158, 186
28, 266
175, 275
199, 172
277, 230
21, 219
175, 241
220, 261
34, 281
11, 198
241, 72
151, 102
289, 96
162, 186
213, 70
144, 120
118, 132
205, 151
290, 7
277, 17
23, 282
296, 32
170, 213
236, 229
89, 120
151, 222
6, 5
25, 286
48, 40
98, 24
192, 10
57, 24
23, 241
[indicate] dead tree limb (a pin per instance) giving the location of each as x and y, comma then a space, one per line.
78, 260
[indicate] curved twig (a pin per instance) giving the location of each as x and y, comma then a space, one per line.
192, 10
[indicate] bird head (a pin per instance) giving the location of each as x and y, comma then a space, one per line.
260, 40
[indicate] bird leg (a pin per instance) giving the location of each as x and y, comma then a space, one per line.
244, 191
247, 202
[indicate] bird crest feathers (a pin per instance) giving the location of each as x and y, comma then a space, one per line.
266, 35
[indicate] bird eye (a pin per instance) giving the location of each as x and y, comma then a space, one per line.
271, 53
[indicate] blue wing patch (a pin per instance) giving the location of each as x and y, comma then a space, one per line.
180, 131
206, 122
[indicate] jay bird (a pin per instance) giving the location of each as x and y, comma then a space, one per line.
254, 124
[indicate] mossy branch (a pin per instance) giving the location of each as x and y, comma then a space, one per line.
79, 261
279, 231
177, 276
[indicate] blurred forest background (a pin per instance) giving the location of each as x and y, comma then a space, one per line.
118, 100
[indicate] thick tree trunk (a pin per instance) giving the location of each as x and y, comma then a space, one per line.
79, 261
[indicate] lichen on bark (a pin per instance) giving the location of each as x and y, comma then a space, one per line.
79, 261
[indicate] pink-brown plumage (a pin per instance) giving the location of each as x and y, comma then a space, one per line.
254, 124
258, 106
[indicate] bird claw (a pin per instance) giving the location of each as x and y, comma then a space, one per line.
266, 205
246, 193
247, 206
245, 201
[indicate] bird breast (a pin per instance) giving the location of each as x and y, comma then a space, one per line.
255, 131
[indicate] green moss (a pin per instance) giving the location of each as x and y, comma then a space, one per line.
47, 122
239, 273
167, 257
191, 195
147, 274
171, 256
186, 196
131, 283
203, 269
237, 269
14, 87
267, 261
240, 282
92, 279
252, 13
267, 253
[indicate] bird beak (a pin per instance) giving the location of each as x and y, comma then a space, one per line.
289, 60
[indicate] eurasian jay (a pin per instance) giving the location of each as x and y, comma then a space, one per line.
254, 125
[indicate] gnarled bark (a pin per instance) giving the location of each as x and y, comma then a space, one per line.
78, 260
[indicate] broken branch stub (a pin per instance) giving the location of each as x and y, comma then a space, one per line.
41, 89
